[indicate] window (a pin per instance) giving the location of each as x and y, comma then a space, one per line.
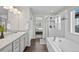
75, 20
58, 22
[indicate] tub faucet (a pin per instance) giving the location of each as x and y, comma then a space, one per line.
54, 38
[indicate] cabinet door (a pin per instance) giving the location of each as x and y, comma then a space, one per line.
7, 48
26, 42
22, 44
16, 46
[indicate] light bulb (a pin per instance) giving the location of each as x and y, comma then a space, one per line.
15, 10
19, 12
11, 9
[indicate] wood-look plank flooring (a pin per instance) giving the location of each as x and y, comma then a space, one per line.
36, 46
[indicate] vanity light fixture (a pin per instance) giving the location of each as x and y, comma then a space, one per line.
15, 10
19, 12
12, 9
63, 18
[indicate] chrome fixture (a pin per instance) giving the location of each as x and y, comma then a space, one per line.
54, 38
63, 18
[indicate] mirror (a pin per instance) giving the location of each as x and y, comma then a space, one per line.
3, 17
58, 23
39, 23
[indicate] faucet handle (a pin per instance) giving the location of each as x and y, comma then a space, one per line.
54, 38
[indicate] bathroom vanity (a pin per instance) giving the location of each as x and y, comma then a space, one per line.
16, 42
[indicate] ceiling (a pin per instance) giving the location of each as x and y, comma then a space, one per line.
39, 10
45, 10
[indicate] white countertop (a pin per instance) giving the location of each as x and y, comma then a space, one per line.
10, 38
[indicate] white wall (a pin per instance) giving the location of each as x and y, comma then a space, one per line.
19, 22
24, 19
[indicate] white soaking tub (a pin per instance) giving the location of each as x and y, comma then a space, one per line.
61, 45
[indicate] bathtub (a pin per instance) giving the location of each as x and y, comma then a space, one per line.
61, 45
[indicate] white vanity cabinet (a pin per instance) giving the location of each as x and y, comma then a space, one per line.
16, 46
15, 42
22, 44
24, 41
26, 38
8, 48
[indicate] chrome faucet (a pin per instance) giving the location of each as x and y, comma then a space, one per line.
54, 38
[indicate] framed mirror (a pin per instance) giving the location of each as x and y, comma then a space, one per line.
3, 17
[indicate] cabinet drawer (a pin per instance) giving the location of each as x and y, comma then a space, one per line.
16, 43
7, 48
26, 42
16, 46
21, 45
16, 49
